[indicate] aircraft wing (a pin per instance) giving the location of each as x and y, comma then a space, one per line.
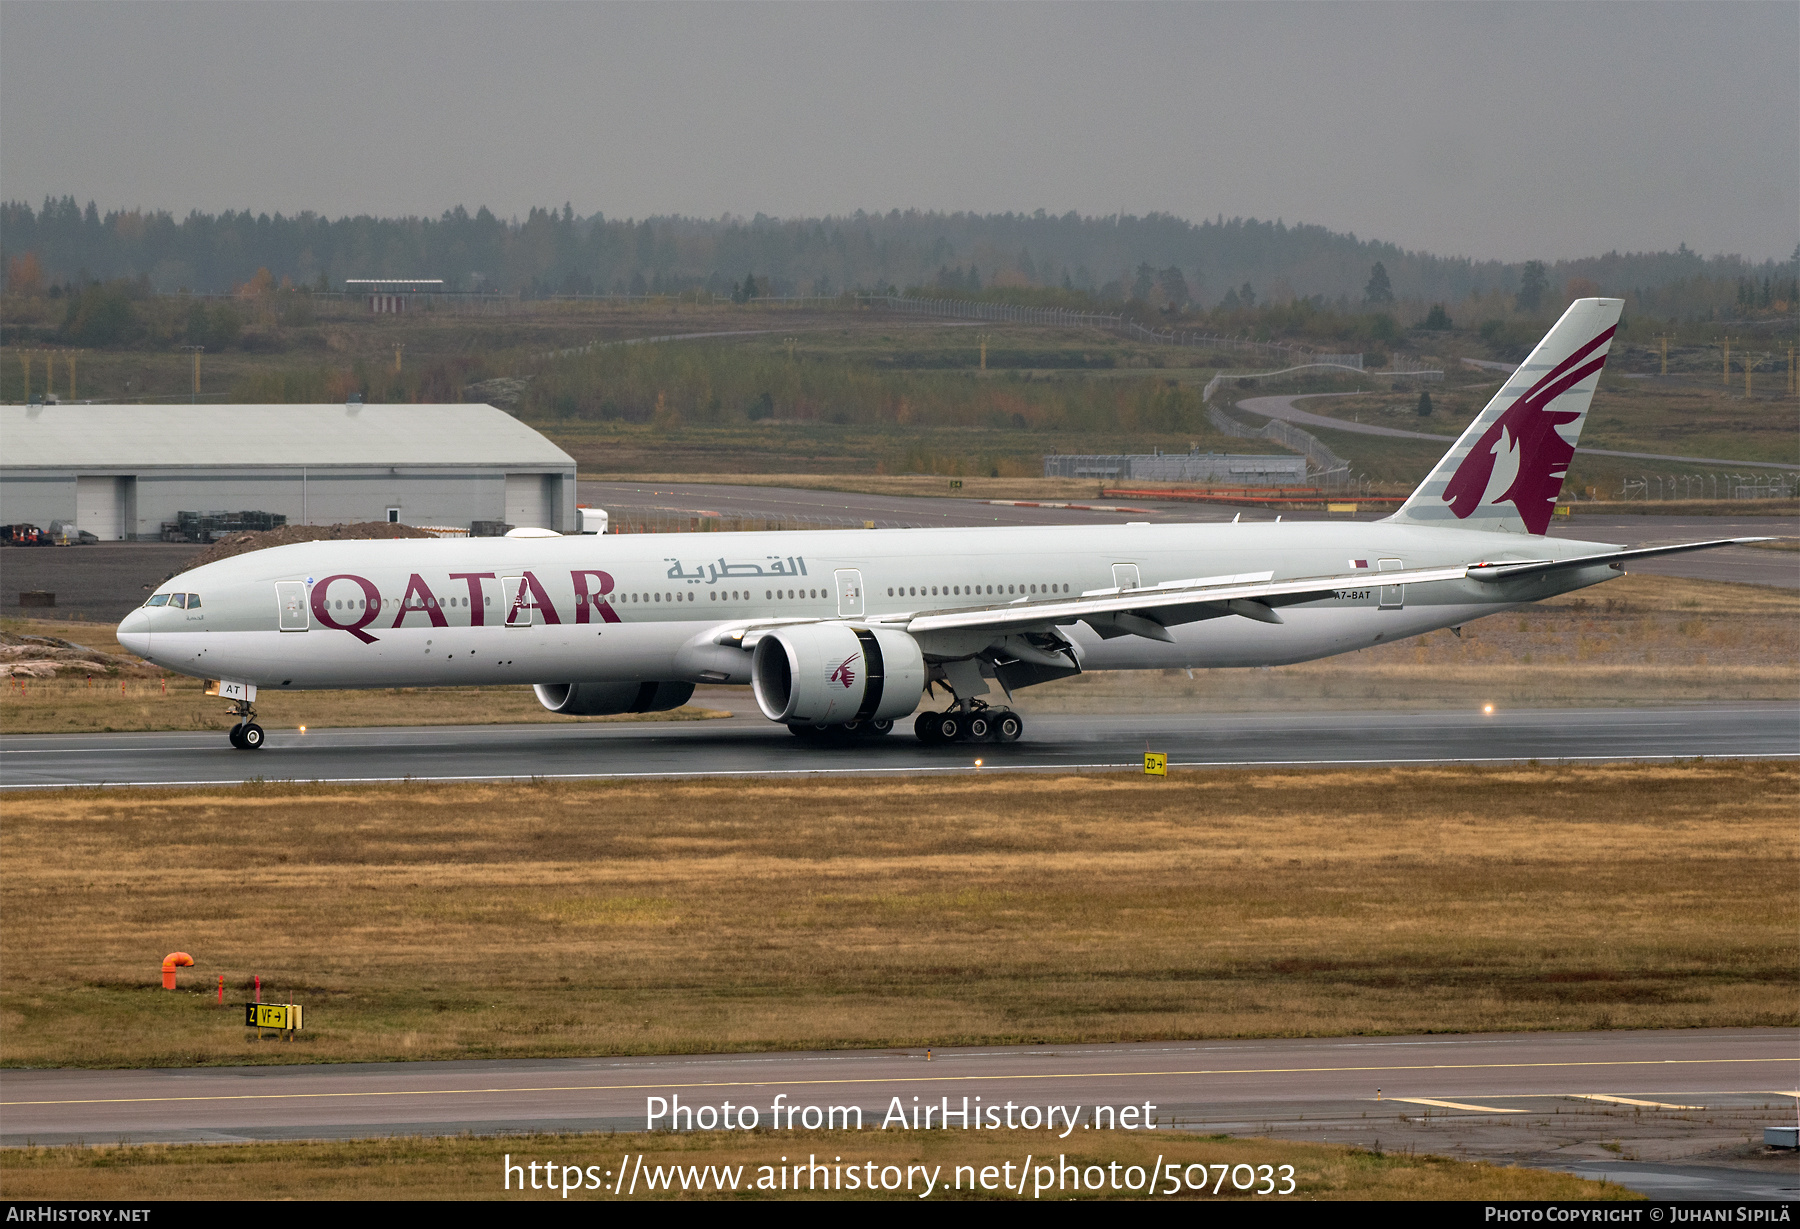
1150, 611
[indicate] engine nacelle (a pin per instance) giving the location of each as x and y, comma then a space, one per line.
605, 699
831, 674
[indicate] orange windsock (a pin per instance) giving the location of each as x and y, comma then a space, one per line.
171, 962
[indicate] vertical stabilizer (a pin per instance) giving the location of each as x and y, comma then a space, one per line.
1505, 472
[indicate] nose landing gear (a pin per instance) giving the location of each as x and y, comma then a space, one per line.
246, 735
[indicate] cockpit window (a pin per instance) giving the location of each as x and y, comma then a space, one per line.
161, 599
193, 601
178, 600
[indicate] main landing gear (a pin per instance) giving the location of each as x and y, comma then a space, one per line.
246, 735
976, 723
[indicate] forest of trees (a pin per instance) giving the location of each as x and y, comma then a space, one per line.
1158, 258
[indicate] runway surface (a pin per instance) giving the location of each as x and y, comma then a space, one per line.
748, 745
1544, 1099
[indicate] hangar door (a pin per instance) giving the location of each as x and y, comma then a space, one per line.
528, 501
100, 507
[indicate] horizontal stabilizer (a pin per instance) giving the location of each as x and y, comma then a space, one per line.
1532, 567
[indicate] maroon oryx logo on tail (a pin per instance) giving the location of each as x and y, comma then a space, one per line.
1521, 457
844, 674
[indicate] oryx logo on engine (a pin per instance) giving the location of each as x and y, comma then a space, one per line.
844, 674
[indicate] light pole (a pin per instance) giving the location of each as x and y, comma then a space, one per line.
198, 351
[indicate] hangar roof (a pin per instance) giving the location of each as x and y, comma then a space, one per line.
186, 436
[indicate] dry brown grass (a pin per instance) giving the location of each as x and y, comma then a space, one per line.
584, 918
465, 1168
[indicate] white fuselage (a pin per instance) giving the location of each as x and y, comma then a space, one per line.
423, 613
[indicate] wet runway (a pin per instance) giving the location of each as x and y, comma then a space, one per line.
748, 745
1681, 1101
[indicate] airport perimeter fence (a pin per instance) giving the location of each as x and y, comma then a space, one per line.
1330, 469
1708, 486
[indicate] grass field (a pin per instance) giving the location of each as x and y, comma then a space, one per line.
466, 1168
419, 921
1633, 639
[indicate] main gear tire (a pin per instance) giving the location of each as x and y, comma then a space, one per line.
1008, 727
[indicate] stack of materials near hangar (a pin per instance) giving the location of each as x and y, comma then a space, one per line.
1194, 466
121, 472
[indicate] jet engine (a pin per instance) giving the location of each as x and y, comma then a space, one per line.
829, 674
605, 699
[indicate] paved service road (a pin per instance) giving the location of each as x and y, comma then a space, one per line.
1549, 1099
748, 745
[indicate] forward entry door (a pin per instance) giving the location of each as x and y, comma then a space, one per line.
290, 599
849, 593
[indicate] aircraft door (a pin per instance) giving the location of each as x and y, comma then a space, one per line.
1393, 597
849, 593
515, 596
1125, 576
290, 600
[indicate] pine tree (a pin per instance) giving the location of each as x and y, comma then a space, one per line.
1532, 285
1424, 403
1379, 290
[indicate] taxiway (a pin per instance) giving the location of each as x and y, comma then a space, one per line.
1686, 1107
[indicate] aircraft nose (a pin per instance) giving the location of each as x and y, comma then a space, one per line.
134, 632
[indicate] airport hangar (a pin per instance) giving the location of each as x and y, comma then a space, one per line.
122, 471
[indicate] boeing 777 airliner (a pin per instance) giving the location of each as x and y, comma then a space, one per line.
841, 633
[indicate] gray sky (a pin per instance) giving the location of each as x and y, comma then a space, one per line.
1490, 130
